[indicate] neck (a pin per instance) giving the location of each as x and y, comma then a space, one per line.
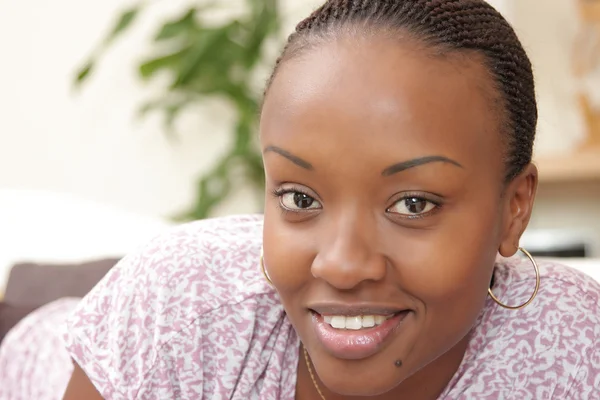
426, 384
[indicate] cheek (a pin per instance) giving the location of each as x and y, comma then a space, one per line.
288, 252
452, 262
448, 272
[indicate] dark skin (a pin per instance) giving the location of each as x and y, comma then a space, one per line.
335, 121
359, 126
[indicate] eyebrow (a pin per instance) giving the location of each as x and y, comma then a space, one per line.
391, 170
404, 165
296, 160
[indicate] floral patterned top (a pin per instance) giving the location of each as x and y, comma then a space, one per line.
190, 316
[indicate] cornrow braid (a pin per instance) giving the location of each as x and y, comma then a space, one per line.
445, 26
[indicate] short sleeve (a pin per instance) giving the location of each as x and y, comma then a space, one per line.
117, 331
139, 334
586, 384
33, 361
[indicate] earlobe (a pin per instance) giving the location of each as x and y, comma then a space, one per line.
510, 245
519, 198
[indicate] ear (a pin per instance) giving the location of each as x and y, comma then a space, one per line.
519, 196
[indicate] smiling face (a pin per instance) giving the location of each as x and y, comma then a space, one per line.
384, 207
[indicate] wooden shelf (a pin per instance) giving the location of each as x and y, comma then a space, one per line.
583, 165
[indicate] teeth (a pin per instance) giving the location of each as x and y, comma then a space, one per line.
338, 322
368, 321
354, 322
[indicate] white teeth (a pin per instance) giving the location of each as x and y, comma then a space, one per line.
338, 322
354, 322
368, 321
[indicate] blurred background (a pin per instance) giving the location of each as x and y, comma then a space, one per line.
116, 118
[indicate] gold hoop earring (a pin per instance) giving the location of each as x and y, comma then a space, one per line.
262, 268
537, 285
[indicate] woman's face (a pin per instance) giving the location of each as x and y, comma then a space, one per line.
384, 209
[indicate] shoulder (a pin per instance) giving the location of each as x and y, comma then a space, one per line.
165, 302
39, 374
564, 315
548, 348
210, 262
568, 302
560, 285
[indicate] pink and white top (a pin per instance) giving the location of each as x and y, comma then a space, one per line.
190, 316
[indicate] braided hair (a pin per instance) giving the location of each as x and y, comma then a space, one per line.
445, 26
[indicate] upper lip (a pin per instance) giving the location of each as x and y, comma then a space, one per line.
353, 309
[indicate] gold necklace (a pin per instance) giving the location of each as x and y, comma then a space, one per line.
312, 376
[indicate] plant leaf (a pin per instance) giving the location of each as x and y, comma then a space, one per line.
263, 22
208, 61
170, 61
208, 43
172, 29
84, 72
124, 22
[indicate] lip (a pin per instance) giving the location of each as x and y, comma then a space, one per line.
355, 309
357, 344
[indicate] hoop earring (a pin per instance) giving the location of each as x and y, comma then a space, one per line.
537, 285
262, 268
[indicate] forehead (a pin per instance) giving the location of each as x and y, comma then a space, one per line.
394, 98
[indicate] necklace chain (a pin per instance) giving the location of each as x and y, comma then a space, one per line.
312, 376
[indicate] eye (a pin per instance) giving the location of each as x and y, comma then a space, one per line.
293, 200
412, 206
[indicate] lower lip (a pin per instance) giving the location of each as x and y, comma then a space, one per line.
350, 344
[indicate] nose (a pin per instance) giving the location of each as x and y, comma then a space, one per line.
350, 255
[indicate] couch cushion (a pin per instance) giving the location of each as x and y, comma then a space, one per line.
34, 285
9, 316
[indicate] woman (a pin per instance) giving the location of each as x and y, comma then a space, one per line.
397, 138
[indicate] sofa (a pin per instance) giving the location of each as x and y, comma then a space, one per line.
56, 244
32, 285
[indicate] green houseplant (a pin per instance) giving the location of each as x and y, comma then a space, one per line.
205, 60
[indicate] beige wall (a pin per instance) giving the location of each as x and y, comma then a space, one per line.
89, 144
548, 30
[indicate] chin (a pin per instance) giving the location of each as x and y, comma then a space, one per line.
364, 386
